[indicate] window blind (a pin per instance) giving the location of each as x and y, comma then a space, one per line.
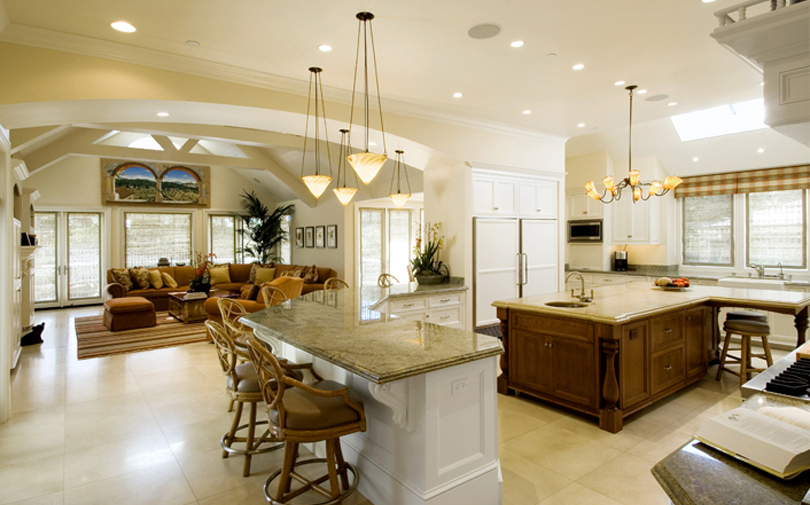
753, 181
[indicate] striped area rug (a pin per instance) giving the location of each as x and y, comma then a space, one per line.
95, 340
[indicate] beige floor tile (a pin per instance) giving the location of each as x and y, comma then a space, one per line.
694, 396
514, 424
157, 361
626, 479
210, 474
107, 365
43, 443
197, 407
92, 385
117, 458
538, 409
578, 495
525, 483
49, 499
159, 485
29, 479
565, 452
660, 414
199, 438
107, 420
660, 445
31, 422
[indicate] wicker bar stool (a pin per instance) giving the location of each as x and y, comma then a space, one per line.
333, 284
231, 311
242, 385
386, 280
746, 325
299, 413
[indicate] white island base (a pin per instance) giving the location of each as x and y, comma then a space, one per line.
431, 438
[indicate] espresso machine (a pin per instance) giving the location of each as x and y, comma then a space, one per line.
620, 261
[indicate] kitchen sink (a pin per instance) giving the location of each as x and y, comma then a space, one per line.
752, 283
567, 305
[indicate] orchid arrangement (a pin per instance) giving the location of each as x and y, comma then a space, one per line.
426, 251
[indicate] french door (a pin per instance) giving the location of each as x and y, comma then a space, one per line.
67, 265
386, 244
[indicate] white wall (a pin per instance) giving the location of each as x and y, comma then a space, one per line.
328, 211
6, 273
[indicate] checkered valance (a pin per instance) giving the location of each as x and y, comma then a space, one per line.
754, 181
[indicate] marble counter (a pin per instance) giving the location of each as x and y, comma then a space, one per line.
328, 325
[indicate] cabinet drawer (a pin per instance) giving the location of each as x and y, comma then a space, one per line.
667, 369
562, 327
445, 316
406, 304
609, 279
666, 331
445, 300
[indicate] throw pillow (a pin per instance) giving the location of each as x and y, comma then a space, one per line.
310, 275
264, 275
121, 276
219, 275
256, 266
141, 277
253, 294
297, 272
156, 279
169, 280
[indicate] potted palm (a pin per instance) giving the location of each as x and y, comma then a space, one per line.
262, 231
426, 265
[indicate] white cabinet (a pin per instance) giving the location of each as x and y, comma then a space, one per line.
537, 200
635, 223
16, 302
580, 206
446, 309
494, 196
505, 196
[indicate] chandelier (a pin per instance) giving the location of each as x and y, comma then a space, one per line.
316, 182
344, 193
399, 198
365, 163
614, 191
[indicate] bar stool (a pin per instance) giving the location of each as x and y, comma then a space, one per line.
299, 413
746, 325
231, 311
333, 284
242, 386
386, 280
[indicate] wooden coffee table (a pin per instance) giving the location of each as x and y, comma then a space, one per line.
192, 310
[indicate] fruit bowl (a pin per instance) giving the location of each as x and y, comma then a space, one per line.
672, 284
670, 288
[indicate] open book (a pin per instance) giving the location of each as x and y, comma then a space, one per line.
774, 439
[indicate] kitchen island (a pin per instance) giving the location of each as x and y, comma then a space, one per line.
429, 392
632, 346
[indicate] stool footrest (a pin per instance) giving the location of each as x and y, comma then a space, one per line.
311, 484
256, 443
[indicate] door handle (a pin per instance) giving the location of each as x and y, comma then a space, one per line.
525, 269
519, 270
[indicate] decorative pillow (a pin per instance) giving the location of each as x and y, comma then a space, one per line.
141, 277
169, 280
256, 266
156, 279
310, 275
253, 294
264, 275
297, 272
218, 275
121, 276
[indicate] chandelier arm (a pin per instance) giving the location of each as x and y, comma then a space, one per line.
377, 79
306, 127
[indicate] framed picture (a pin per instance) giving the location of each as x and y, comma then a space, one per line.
331, 236
310, 236
299, 237
320, 237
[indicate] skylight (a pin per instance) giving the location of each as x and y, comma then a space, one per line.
724, 120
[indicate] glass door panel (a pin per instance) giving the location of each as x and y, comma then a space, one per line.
371, 246
399, 243
84, 255
45, 259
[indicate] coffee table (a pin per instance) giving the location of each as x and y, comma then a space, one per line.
192, 310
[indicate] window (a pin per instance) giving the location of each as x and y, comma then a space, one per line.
223, 239
722, 120
707, 230
386, 241
151, 236
285, 248
776, 228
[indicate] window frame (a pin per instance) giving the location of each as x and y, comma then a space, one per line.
683, 238
804, 233
192, 227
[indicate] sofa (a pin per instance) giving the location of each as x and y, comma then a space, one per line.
239, 276
290, 286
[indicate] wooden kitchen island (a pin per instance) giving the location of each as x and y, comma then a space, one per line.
632, 346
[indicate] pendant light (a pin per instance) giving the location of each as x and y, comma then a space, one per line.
614, 191
365, 163
344, 193
399, 198
316, 182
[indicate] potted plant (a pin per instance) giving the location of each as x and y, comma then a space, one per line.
426, 265
202, 281
262, 229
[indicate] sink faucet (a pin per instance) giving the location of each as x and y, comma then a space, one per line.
760, 270
582, 296
781, 271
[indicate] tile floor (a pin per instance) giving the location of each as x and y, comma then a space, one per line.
144, 428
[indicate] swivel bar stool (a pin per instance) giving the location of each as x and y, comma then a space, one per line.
299, 413
746, 324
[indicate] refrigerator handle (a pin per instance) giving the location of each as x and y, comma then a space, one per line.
519, 270
525, 269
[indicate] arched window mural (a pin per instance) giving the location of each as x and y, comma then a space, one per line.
135, 183
179, 186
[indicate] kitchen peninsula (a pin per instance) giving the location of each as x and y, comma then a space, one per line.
429, 390
632, 346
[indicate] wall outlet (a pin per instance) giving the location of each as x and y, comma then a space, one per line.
459, 386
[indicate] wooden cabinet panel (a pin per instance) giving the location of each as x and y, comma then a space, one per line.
667, 369
573, 363
666, 331
634, 364
530, 363
567, 327
696, 329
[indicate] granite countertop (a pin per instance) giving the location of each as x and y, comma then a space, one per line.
414, 289
636, 300
337, 326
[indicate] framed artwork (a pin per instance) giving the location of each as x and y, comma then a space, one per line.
320, 237
309, 235
299, 237
331, 236
137, 183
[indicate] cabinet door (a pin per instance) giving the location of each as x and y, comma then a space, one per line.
483, 196
496, 261
530, 363
538, 200
574, 368
494, 197
539, 265
666, 331
505, 197
667, 369
580, 206
634, 373
622, 219
696, 329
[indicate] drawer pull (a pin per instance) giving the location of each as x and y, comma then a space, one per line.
445, 317
548, 344
667, 367
494, 208
668, 330
408, 305
584, 211
444, 300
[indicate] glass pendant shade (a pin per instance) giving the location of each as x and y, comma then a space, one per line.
672, 181
317, 184
634, 175
636, 194
608, 182
399, 199
345, 195
367, 164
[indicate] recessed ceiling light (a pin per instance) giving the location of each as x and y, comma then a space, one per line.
485, 31
657, 98
708, 1
762, 83
193, 43
551, 56
581, 125
618, 83
325, 48
163, 114
672, 104
457, 95
527, 112
578, 66
123, 26
760, 150
372, 143
641, 91
517, 43
695, 158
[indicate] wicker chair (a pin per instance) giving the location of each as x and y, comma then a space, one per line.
231, 311
386, 280
273, 296
333, 284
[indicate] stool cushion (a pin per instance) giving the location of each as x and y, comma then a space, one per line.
747, 315
747, 327
247, 379
310, 412
130, 305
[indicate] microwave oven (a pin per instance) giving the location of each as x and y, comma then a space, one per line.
585, 231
